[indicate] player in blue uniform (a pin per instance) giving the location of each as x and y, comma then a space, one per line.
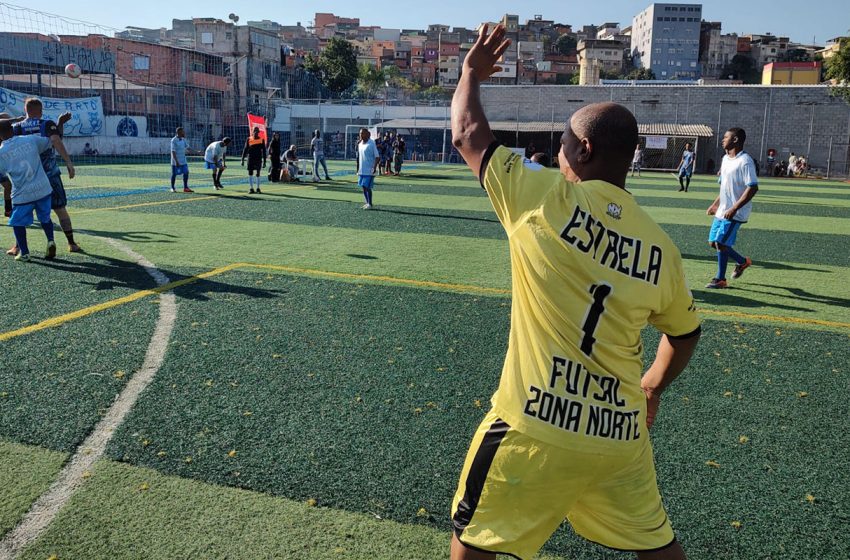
686, 168
31, 188
179, 163
36, 124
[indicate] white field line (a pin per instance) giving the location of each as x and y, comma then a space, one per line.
73, 475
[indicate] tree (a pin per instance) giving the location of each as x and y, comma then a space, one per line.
565, 44
838, 70
742, 67
336, 66
641, 74
369, 80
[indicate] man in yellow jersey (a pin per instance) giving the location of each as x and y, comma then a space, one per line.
567, 435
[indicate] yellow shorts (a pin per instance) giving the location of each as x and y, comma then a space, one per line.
514, 492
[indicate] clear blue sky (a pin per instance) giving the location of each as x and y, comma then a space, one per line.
800, 21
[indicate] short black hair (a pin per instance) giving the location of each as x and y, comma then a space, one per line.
740, 133
612, 128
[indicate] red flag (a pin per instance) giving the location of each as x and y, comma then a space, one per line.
259, 122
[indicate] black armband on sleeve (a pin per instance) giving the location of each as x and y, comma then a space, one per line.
485, 161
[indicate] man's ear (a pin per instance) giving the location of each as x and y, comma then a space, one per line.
586, 152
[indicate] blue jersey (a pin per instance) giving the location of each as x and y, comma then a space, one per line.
687, 160
46, 128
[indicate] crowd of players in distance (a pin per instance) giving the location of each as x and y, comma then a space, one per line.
389, 152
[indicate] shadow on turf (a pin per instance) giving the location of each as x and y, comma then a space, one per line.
728, 298
363, 257
114, 273
802, 295
134, 236
432, 215
760, 264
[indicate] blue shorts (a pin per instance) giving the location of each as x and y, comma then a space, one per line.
180, 169
724, 231
22, 213
216, 165
58, 199
366, 181
686, 171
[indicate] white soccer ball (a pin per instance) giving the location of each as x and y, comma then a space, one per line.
73, 70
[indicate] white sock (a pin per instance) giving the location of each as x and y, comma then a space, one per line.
251, 181
258, 182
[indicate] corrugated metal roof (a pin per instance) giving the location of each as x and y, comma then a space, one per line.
660, 129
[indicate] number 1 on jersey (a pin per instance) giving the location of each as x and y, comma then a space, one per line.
599, 292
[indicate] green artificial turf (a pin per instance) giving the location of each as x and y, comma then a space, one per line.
363, 394
56, 383
25, 473
126, 512
338, 374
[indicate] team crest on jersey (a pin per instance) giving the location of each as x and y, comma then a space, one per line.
614, 210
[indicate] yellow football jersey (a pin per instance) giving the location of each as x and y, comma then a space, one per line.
589, 270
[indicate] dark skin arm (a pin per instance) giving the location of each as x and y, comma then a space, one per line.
670, 359
471, 133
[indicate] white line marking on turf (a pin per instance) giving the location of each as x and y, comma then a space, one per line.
71, 478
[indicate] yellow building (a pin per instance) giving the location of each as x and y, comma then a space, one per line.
791, 73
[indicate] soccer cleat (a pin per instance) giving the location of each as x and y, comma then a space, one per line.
681, 189
74, 248
51, 251
259, 191
739, 270
22, 257
13, 251
367, 207
187, 190
716, 284
173, 189
251, 191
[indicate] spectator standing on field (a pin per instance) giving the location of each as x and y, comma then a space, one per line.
317, 146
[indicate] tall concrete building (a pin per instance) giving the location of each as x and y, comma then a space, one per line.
665, 39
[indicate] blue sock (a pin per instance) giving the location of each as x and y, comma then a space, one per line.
172, 180
185, 181
735, 255
366, 195
21, 239
722, 263
48, 230
369, 196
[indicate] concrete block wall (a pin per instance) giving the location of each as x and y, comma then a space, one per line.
802, 119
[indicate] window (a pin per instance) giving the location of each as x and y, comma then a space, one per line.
228, 35
693, 64
658, 51
664, 72
681, 19
141, 62
207, 38
197, 67
129, 98
678, 63
163, 99
671, 63
671, 51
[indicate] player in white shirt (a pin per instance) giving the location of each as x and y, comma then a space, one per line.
179, 163
738, 185
215, 159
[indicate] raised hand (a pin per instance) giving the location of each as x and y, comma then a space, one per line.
488, 48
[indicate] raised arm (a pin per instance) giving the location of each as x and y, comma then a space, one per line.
471, 133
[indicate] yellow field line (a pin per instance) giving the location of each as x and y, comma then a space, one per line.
779, 319
463, 288
141, 204
86, 311
385, 279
